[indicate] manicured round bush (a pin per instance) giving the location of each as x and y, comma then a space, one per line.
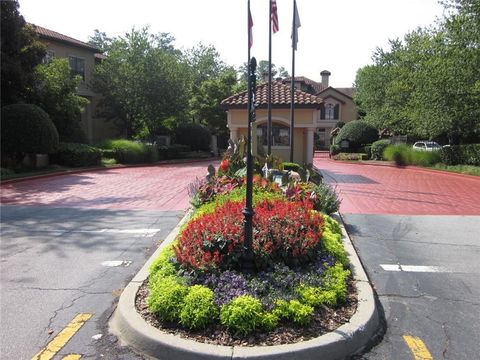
27, 129
76, 155
243, 315
377, 149
167, 297
284, 231
335, 149
199, 309
357, 133
291, 166
196, 136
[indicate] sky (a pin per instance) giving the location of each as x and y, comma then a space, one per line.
335, 35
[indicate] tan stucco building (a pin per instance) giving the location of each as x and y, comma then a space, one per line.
318, 108
82, 58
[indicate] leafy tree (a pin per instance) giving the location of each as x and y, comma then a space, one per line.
56, 93
144, 81
20, 53
261, 72
100, 40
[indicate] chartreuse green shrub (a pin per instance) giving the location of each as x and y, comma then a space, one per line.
332, 240
405, 155
332, 292
243, 315
163, 266
167, 297
199, 309
295, 311
131, 152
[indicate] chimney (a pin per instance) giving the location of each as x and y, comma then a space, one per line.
325, 74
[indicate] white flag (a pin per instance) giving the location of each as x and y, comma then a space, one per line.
296, 25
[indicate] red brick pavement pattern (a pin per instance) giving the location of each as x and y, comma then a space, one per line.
161, 187
370, 189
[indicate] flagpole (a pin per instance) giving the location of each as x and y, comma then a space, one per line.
269, 117
292, 86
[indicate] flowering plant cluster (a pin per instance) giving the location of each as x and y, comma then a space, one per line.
284, 231
217, 185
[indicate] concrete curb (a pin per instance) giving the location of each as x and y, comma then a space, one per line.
348, 339
114, 167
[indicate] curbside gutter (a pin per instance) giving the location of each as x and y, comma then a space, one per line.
349, 339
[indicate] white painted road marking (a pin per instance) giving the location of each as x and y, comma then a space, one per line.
114, 263
413, 268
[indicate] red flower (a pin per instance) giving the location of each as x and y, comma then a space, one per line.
224, 165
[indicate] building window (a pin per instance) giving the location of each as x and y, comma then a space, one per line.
329, 112
280, 135
77, 65
49, 56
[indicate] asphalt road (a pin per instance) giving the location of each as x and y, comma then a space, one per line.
438, 300
54, 265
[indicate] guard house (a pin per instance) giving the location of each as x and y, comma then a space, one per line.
307, 111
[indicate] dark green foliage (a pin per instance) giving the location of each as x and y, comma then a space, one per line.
131, 152
461, 155
291, 166
339, 124
357, 133
367, 149
198, 310
20, 53
76, 155
56, 93
174, 151
196, 136
377, 149
335, 149
27, 129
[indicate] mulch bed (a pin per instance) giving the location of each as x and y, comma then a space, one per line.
325, 320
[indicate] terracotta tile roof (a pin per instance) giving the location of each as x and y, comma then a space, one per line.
316, 86
280, 98
348, 92
53, 35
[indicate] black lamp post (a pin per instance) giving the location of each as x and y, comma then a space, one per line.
248, 263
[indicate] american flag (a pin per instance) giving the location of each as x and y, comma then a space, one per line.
275, 27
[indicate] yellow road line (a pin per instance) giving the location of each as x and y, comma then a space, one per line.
62, 338
418, 348
72, 357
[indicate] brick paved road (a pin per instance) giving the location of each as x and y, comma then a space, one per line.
371, 189
139, 188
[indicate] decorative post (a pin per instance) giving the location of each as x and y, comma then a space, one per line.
248, 263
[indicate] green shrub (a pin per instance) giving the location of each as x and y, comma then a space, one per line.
333, 291
397, 153
27, 129
461, 155
367, 149
196, 136
199, 308
167, 297
269, 321
289, 166
335, 149
340, 124
332, 240
163, 265
351, 156
378, 147
294, 310
242, 315
327, 200
406, 155
357, 133
174, 151
131, 152
76, 155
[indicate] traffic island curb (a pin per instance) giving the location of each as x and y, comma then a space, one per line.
347, 340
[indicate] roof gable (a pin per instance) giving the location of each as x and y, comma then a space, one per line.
337, 91
281, 97
53, 35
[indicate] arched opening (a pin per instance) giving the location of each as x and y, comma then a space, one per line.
280, 134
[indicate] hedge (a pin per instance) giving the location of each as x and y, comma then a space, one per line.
377, 149
196, 136
461, 155
131, 152
76, 155
357, 133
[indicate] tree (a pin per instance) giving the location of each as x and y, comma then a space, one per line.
20, 53
144, 81
100, 40
56, 93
